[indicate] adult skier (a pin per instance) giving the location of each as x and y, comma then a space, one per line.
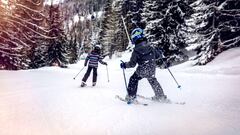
92, 60
145, 56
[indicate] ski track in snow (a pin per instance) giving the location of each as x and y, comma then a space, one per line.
48, 101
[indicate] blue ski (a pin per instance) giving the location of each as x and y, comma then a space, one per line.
135, 102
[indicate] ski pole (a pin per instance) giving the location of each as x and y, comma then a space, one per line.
179, 86
126, 31
107, 73
78, 73
124, 76
125, 27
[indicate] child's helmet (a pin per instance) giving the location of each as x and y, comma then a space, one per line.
97, 47
136, 35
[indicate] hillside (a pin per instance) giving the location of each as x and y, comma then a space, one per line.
48, 101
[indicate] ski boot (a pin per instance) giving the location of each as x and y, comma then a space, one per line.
94, 84
130, 99
83, 84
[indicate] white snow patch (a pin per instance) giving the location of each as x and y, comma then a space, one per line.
48, 101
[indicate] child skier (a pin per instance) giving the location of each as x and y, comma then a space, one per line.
92, 60
145, 56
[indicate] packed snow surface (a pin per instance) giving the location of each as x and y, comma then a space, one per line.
48, 101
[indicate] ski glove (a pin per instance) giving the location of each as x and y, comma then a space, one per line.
105, 63
123, 65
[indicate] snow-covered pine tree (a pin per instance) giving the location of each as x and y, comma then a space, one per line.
106, 33
78, 33
87, 27
112, 35
120, 37
195, 22
57, 51
216, 28
164, 21
138, 18
95, 28
130, 11
39, 56
21, 28
152, 17
73, 50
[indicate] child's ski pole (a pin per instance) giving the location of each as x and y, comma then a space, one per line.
179, 86
124, 76
107, 73
126, 31
78, 73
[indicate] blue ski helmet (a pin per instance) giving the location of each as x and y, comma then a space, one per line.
136, 35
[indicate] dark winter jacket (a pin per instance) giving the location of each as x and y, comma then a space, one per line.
145, 56
93, 58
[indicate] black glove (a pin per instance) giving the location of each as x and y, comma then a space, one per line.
123, 65
85, 62
105, 63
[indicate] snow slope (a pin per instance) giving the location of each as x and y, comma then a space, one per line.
48, 101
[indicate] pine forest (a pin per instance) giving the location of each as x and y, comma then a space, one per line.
39, 33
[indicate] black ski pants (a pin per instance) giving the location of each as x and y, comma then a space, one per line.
94, 79
133, 85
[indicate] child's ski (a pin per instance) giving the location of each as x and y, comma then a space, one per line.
135, 102
168, 101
